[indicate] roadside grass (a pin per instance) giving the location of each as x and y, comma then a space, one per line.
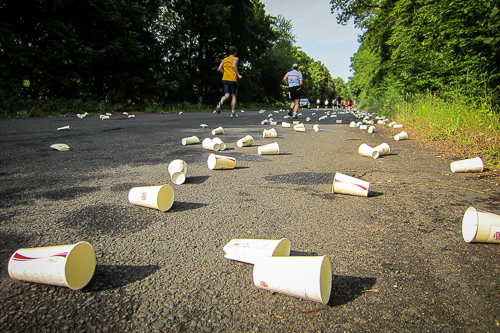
462, 127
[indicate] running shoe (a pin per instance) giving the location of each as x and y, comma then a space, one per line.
217, 109
233, 114
290, 112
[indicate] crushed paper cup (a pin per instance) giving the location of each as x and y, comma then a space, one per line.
218, 130
251, 250
60, 146
401, 136
108, 114
64, 128
480, 227
190, 140
366, 150
308, 119
349, 185
245, 141
222, 145
316, 128
383, 149
264, 122
131, 116
160, 197
104, 117
304, 277
269, 149
269, 133
469, 165
178, 171
203, 125
210, 144
219, 162
69, 266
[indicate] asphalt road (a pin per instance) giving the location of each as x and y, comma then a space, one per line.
399, 262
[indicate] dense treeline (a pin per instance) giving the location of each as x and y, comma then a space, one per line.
146, 52
446, 47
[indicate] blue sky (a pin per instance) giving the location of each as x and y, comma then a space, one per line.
318, 33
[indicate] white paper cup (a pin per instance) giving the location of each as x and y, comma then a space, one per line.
218, 130
401, 136
69, 266
371, 129
269, 133
209, 144
273, 123
269, 149
368, 151
398, 126
304, 277
104, 117
131, 116
222, 145
178, 171
338, 121
316, 128
359, 123
64, 128
381, 122
285, 124
245, 141
470, 165
480, 227
308, 119
392, 123
264, 122
190, 140
363, 127
295, 122
299, 127
160, 197
220, 162
383, 149
352, 124
349, 185
251, 250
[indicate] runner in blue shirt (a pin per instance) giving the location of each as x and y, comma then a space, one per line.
294, 80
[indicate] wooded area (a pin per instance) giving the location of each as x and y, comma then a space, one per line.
147, 52
445, 47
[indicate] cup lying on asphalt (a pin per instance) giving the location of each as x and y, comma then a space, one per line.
222, 145
218, 130
392, 123
210, 144
470, 165
160, 197
245, 141
64, 128
304, 277
299, 127
69, 266
269, 133
339, 121
178, 171
353, 124
316, 128
368, 151
60, 146
269, 149
363, 127
285, 124
383, 149
371, 129
220, 162
401, 136
190, 140
251, 250
349, 185
480, 227
398, 126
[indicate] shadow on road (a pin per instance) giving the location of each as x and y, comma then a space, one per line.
347, 288
115, 276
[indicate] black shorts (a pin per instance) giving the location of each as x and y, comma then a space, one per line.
230, 87
294, 92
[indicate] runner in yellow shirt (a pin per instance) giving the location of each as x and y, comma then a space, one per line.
229, 68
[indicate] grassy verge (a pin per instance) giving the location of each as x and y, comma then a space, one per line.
462, 127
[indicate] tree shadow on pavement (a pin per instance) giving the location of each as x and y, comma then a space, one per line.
180, 206
196, 179
347, 288
115, 276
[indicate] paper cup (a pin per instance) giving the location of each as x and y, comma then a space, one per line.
469, 165
269, 133
270, 149
209, 144
304, 277
353, 124
222, 145
392, 123
480, 227
371, 129
178, 171
383, 149
363, 127
160, 197
316, 128
401, 136
339, 121
349, 185
190, 140
264, 122
285, 124
219, 162
69, 266
296, 122
104, 117
368, 151
131, 116
398, 126
64, 128
245, 141
299, 128
218, 130
60, 146
251, 250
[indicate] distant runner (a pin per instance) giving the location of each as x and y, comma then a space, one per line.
229, 68
294, 80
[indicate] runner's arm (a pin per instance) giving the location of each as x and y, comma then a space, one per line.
221, 68
285, 78
235, 67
